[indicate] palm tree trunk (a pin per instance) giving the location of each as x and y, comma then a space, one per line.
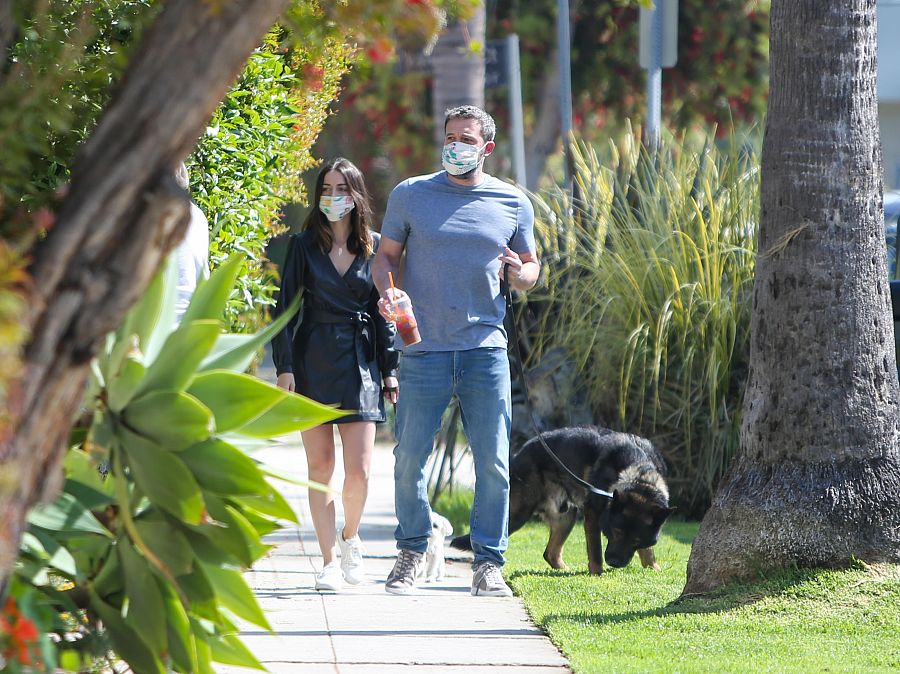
816, 482
458, 71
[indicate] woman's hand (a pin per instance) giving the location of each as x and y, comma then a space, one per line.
391, 389
285, 381
385, 307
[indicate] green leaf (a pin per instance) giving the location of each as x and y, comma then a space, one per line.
235, 595
230, 650
126, 642
125, 383
272, 504
163, 477
89, 497
292, 413
146, 609
235, 399
235, 536
182, 645
54, 553
144, 315
236, 352
211, 295
245, 444
66, 516
223, 469
180, 357
262, 525
165, 323
204, 652
167, 543
79, 467
200, 594
174, 420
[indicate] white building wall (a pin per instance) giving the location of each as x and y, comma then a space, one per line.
889, 88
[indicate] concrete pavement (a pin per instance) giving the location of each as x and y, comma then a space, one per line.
364, 630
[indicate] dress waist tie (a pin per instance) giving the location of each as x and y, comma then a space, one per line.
363, 340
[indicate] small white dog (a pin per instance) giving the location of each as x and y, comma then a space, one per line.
433, 570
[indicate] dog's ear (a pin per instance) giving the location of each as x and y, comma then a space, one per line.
615, 503
660, 514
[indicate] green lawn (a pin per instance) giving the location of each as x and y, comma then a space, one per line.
626, 621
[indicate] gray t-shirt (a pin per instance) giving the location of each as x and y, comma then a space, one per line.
453, 237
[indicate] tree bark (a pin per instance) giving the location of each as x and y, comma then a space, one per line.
458, 72
816, 482
544, 138
120, 218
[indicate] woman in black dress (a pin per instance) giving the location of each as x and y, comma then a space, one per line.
337, 350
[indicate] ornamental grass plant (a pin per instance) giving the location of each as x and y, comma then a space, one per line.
650, 273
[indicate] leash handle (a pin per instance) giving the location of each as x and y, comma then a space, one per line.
507, 293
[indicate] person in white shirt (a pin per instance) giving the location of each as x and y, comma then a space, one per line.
192, 254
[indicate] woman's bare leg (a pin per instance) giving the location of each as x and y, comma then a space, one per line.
319, 445
358, 439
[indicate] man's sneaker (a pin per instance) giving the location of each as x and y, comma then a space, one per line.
402, 577
487, 581
330, 577
352, 559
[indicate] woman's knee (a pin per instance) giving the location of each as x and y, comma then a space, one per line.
320, 468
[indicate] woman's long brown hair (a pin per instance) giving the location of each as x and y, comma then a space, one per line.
360, 239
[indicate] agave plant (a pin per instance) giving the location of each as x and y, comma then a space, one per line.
163, 505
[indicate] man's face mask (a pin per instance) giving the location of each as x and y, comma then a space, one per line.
335, 208
459, 158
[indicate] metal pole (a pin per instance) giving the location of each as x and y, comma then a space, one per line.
654, 76
564, 47
515, 108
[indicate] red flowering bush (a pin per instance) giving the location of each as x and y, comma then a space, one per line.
20, 649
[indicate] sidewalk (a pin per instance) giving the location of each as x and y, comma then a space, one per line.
364, 630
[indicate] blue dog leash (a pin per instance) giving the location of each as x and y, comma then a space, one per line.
515, 337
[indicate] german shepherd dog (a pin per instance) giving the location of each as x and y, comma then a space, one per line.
628, 466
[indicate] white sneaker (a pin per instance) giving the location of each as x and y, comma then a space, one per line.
330, 578
352, 559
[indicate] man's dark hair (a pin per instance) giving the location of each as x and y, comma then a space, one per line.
488, 128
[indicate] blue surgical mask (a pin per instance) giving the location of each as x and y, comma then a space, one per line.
458, 158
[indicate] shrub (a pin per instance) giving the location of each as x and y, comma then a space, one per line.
248, 164
142, 552
649, 290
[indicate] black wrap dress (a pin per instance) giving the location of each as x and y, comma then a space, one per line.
338, 346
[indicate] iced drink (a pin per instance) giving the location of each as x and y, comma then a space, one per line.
405, 321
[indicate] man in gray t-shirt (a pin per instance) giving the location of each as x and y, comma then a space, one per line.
460, 228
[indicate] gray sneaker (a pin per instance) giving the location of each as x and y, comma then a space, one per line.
402, 577
487, 581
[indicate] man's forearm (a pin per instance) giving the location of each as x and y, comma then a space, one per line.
380, 269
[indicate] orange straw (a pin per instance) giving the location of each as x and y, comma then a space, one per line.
391, 279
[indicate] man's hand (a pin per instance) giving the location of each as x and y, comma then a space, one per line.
385, 304
523, 269
286, 381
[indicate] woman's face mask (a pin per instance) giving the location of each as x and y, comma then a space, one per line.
335, 208
459, 158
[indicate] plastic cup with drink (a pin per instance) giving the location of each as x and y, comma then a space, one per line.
403, 317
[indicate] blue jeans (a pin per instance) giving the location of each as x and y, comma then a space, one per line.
479, 378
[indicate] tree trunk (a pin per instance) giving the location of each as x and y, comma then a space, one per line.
816, 482
543, 140
122, 215
458, 72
